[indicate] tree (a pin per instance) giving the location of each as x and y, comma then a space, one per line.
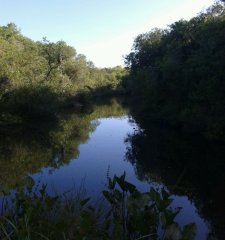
56, 54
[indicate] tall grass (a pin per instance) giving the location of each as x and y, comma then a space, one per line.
126, 214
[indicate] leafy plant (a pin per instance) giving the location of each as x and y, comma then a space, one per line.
33, 214
136, 215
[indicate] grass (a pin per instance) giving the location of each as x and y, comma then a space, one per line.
123, 213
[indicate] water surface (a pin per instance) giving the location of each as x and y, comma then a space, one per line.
82, 149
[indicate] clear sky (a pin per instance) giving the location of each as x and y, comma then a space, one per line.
103, 30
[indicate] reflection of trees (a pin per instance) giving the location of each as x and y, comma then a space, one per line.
188, 165
53, 142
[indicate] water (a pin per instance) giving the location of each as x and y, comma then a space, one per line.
105, 149
83, 149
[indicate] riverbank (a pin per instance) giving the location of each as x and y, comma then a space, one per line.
34, 214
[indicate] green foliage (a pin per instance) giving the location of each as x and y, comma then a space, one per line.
178, 73
55, 54
135, 215
33, 214
36, 76
30, 102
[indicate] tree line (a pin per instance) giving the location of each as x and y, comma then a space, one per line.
178, 73
37, 77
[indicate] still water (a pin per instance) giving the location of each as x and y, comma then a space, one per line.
81, 149
103, 152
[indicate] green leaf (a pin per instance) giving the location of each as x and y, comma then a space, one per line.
130, 187
29, 182
173, 232
189, 231
108, 196
84, 201
154, 196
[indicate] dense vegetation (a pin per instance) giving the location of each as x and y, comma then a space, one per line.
36, 78
177, 82
127, 215
178, 73
176, 78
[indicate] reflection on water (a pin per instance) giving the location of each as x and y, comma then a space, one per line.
103, 151
81, 148
188, 165
27, 149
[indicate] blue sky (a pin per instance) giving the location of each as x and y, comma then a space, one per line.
102, 30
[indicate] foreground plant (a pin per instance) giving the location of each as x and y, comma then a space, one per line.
33, 214
135, 215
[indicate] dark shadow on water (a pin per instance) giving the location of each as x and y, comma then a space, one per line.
187, 164
50, 141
